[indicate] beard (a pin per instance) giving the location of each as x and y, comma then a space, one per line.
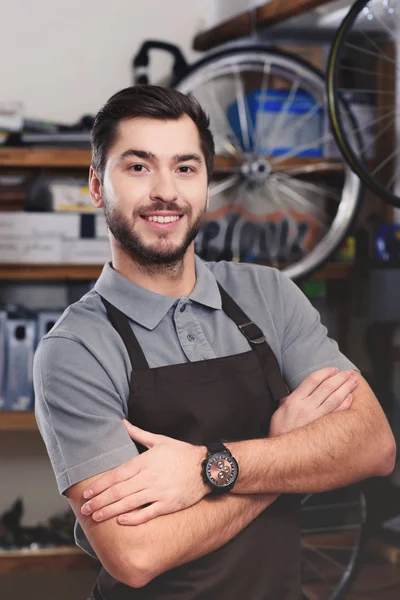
161, 255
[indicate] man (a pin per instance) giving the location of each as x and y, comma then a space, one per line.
223, 372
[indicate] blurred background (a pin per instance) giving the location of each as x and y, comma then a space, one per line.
306, 180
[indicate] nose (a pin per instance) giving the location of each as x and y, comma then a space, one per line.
164, 188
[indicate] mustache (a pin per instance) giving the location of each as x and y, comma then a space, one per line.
159, 205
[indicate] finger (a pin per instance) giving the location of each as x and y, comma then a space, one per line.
145, 438
142, 515
337, 397
112, 494
313, 381
336, 389
347, 402
126, 505
112, 477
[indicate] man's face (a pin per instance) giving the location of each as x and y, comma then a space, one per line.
155, 189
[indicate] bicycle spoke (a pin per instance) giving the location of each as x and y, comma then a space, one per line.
292, 153
216, 104
224, 185
326, 557
282, 118
385, 92
371, 53
313, 568
374, 121
311, 187
393, 179
373, 43
292, 224
242, 110
365, 72
380, 134
262, 98
389, 31
300, 202
306, 117
326, 165
385, 162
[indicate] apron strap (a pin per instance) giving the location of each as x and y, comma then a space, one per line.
121, 324
258, 343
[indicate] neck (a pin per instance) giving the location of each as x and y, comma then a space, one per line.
175, 280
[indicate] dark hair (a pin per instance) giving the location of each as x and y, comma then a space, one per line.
152, 102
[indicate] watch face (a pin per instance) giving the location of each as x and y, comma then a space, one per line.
221, 470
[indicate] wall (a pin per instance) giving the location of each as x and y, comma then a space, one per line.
64, 59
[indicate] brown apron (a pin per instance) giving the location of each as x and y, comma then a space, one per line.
229, 398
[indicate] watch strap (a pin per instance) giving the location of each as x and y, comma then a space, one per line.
214, 447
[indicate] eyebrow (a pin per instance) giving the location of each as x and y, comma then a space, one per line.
150, 156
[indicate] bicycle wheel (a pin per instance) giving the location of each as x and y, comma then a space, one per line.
332, 539
278, 196
363, 69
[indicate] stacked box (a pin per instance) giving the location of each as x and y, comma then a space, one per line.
20, 344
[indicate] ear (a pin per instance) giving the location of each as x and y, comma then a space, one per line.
95, 188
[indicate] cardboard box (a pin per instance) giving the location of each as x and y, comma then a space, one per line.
30, 250
3, 321
46, 224
101, 229
86, 251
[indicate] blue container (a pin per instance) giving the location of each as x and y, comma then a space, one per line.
294, 131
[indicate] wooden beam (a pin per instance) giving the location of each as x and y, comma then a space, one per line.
44, 157
270, 13
64, 558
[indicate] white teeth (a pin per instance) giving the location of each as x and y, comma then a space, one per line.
163, 219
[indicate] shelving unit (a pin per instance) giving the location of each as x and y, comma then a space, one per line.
49, 272
64, 558
80, 159
333, 270
44, 157
266, 15
17, 421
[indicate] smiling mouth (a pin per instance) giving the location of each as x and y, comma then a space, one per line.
162, 218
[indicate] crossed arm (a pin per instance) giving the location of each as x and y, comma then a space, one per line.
321, 437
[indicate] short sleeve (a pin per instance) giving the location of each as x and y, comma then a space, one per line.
79, 412
306, 346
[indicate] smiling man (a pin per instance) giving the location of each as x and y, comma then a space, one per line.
184, 404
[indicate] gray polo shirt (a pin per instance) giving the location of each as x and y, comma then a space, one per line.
82, 369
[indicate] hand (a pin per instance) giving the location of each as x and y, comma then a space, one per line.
165, 479
324, 392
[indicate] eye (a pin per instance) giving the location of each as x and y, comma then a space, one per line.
137, 168
186, 168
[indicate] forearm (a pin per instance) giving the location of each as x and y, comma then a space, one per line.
172, 540
330, 452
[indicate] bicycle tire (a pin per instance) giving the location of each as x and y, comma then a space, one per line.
344, 525
352, 189
356, 161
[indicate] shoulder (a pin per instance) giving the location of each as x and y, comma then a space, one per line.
243, 280
80, 320
84, 332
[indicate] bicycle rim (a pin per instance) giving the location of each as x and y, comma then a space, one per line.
276, 197
332, 540
363, 67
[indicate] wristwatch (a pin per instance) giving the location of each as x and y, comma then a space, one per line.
219, 469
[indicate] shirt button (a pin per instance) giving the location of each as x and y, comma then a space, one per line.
183, 308
190, 337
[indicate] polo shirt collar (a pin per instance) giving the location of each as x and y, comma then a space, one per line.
149, 308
